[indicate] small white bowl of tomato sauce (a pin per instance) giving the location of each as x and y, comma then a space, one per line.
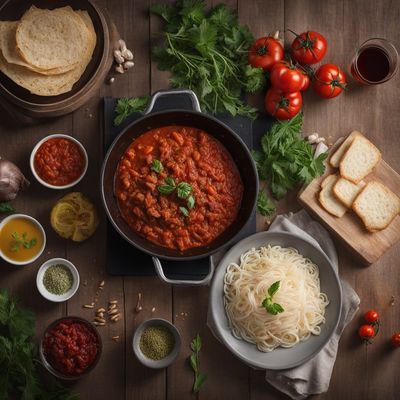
59, 161
22, 239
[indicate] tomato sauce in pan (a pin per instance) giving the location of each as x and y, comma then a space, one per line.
194, 207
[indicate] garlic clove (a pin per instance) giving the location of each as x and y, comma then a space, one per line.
121, 45
128, 64
120, 69
119, 59
127, 54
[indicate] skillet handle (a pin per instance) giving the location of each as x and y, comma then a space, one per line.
162, 93
182, 282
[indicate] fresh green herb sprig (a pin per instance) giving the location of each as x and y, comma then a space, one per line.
268, 304
199, 377
127, 106
286, 159
183, 191
207, 52
265, 206
18, 357
6, 208
22, 242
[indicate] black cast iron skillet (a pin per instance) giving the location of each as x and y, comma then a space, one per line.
233, 143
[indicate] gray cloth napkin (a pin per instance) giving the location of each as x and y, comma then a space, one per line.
314, 376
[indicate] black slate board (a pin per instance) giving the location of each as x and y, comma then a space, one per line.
124, 259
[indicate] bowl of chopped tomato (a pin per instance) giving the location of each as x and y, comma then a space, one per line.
59, 161
70, 348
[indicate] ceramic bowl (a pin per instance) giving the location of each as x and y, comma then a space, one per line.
52, 370
54, 297
280, 358
165, 362
39, 226
36, 148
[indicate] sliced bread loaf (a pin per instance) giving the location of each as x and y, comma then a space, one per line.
359, 160
347, 191
328, 199
377, 206
338, 154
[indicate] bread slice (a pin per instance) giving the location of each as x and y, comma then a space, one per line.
327, 198
377, 206
359, 160
338, 154
347, 191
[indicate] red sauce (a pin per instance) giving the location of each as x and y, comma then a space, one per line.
59, 161
187, 155
71, 347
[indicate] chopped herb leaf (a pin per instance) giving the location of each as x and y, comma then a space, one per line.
157, 166
184, 211
128, 106
183, 190
18, 242
191, 202
6, 208
265, 206
268, 304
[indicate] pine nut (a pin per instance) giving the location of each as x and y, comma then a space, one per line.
113, 312
99, 319
113, 302
88, 306
115, 317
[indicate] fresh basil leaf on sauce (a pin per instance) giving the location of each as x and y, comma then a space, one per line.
191, 202
156, 166
184, 211
184, 190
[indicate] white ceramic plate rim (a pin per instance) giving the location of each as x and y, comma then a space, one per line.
220, 324
35, 149
38, 224
50, 296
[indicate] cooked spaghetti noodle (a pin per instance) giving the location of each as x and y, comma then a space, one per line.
246, 285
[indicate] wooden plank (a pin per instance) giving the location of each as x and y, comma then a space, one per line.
368, 246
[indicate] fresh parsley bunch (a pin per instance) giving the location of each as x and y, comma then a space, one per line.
207, 52
18, 356
286, 159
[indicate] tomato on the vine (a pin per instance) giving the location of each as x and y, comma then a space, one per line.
371, 316
283, 105
366, 332
396, 339
286, 77
309, 48
329, 81
265, 52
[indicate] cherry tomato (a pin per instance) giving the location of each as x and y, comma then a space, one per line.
371, 317
283, 105
366, 332
309, 47
265, 52
329, 81
286, 77
396, 340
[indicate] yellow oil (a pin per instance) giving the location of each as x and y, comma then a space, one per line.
20, 226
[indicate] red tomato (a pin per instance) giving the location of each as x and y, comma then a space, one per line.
329, 81
283, 105
309, 47
306, 82
366, 332
265, 52
286, 77
396, 340
371, 317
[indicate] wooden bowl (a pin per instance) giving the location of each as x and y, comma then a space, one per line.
51, 106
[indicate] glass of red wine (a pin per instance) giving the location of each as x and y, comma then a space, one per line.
376, 61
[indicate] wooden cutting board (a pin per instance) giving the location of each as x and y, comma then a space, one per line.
368, 246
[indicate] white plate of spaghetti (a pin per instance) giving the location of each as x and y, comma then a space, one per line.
275, 300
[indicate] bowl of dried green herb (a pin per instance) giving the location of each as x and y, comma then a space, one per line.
156, 343
57, 280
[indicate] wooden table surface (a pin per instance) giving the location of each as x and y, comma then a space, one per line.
360, 372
